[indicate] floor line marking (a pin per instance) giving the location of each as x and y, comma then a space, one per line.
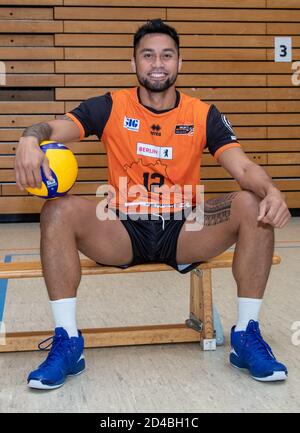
3, 288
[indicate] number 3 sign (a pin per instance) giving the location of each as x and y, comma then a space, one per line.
283, 49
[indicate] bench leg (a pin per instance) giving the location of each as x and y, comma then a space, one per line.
220, 339
201, 308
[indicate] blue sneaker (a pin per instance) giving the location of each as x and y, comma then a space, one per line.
250, 351
64, 359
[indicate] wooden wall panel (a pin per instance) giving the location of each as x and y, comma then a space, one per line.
59, 52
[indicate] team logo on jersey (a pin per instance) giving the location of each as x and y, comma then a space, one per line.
131, 124
227, 123
154, 151
155, 130
184, 130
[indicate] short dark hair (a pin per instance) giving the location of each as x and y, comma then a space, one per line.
155, 26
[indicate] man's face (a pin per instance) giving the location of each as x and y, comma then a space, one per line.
156, 62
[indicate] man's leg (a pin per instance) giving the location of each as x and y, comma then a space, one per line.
70, 224
233, 219
230, 219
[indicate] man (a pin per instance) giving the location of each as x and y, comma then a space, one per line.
154, 136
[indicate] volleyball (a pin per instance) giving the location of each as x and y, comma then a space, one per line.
64, 170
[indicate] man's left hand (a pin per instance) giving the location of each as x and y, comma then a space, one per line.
273, 209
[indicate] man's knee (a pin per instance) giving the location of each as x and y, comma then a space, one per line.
246, 206
58, 211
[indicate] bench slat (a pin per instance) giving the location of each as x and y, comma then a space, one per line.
109, 337
89, 267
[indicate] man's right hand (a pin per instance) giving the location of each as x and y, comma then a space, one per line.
28, 162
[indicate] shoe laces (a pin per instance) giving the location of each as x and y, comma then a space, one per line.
258, 344
56, 344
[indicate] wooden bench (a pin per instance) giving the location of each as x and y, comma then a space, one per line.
198, 327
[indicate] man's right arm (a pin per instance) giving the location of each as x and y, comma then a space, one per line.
29, 157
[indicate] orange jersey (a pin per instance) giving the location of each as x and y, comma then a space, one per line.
154, 158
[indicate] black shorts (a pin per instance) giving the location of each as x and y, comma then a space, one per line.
155, 240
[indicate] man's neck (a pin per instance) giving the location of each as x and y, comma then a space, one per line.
158, 100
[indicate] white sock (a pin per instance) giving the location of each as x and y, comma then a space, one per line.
64, 313
248, 309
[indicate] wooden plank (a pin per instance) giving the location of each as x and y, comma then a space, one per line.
280, 80
87, 147
128, 80
168, 3
92, 160
31, 107
30, 26
284, 158
108, 337
196, 67
27, 204
8, 148
26, 40
89, 40
11, 190
92, 174
10, 135
10, 13
248, 41
187, 53
279, 28
125, 40
19, 205
32, 2
107, 13
34, 80
242, 106
32, 53
29, 67
214, 28
283, 106
271, 145
251, 132
293, 4
6, 161
284, 132
258, 15
26, 95
21, 121
264, 119
292, 199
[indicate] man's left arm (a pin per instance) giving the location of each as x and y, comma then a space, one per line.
273, 209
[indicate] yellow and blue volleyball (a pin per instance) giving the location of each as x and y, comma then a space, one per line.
64, 170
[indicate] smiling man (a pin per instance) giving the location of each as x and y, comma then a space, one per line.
154, 137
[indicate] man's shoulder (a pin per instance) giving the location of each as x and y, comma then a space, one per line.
124, 93
188, 99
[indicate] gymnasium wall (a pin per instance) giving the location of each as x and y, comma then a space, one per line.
59, 52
